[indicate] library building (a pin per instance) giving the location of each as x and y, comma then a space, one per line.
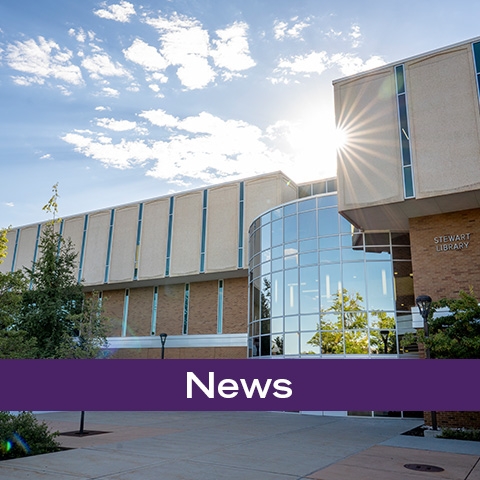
263, 267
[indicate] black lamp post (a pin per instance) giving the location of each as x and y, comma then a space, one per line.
424, 303
385, 334
163, 339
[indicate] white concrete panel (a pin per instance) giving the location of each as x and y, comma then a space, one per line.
222, 228
6, 265
96, 248
153, 247
369, 164
73, 229
26, 247
124, 244
187, 230
444, 122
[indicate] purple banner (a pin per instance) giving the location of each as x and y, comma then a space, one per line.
240, 385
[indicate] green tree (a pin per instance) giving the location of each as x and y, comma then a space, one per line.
3, 243
55, 310
14, 343
455, 334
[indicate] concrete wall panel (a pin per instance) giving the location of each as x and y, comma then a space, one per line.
96, 248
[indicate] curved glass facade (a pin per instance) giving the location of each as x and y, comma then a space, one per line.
319, 287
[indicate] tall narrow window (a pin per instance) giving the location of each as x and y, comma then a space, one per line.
241, 213
154, 311
125, 313
15, 249
404, 132
220, 307
60, 236
169, 239
185, 308
204, 231
82, 250
139, 238
109, 247
476, 59
35, 252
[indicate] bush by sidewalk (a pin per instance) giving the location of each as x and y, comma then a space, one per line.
22, 435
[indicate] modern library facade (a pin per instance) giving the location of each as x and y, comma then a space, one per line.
262, 267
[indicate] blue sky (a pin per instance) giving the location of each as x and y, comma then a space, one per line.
121, 101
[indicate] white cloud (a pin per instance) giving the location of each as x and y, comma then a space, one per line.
350, 64
41, 60
45, 157
116, 125
101, 108
203, 147
9, 204
355, 35
185, 44
110, 92
101, 65
282, 30
145, 55
318, 62
119, 12
231, 50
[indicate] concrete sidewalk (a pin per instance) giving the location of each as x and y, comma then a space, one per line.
242, 445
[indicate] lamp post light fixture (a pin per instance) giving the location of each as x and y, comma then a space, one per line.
163, 339
424, 303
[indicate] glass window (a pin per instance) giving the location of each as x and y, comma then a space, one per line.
304, 191
291, 344
345, 225
265, 236
277, 232
327, 201
377, 253
277, 213
308, 245
309, 290
307, 205
290, 209
265, 297
309, 322
319, 188
327, 221
330, 285
354, 281
382, 238
277, 264
328, 242
310, 343
291, 292
277, 294
356, 342
291, 261
277, 252
290, 229
307, 227
277, 325
310, 258
331, 321
354, 254
255, 294
291, 324
380, 286
332, 342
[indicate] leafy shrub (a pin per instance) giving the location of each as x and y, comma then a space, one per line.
23, 434
461, 434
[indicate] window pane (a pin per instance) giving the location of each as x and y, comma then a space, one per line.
307, 227
277, 294
307, 205
380, 286
310, 343
354, 282
327, 221
291, 292
291, 324
291, 344
330, 284
309, 322
309, 290
290, 232
277, 232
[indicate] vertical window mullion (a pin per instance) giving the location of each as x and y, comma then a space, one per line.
186, 302
241, 214
220, 307
82, 249
15, 250
204, 231
169, 238
125, 313
139, 237
154, 311
404, 132
109, 247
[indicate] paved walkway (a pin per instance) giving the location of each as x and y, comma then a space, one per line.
242, 445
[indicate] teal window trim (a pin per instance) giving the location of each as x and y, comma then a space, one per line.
170, 234
186, 302
109, 247
82, 250
154, 311
476, 62
60, 236
15, 249
241, 219
35, 251
220, 307
139, 239
204, 231
404, 132
125, 312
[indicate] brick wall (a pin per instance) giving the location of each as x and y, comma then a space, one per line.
455, 419
235, 305
140, 312
443, 273
170, 309
182, 353
113, 308
202, 315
